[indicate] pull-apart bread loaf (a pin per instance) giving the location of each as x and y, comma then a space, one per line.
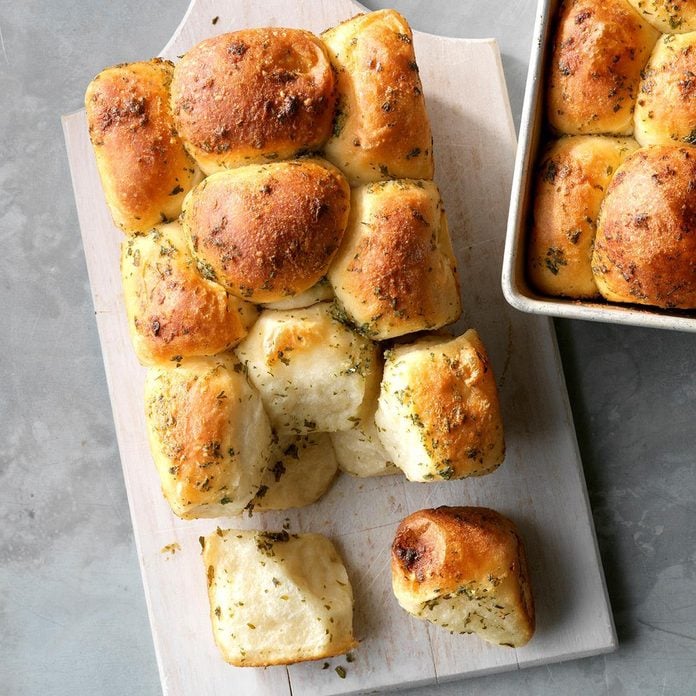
465, 570
666, 108
209, 435
668, 16
173, 311
277, 598
645, 251
145, 170
395, 272
438, 415
572, 179
599, 50
254, 95
268, 232
312, 371
381, 129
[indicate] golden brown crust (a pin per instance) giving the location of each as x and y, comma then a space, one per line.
598, 53
573, 176
253, 96
666, 107
270, 231
668, 16
144, 168
645, 249
381, 130
442, 552
209, 435
172, 310
395, 272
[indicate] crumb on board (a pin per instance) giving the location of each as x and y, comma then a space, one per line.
215, 20
171, 549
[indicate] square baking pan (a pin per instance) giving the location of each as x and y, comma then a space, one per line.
516, 288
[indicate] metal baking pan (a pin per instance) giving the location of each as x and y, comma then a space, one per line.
516, 288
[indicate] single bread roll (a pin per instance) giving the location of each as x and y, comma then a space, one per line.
209, 435
666, 108
598, 53
381, 129
312, 371
668, 16
144, 168
172, 310
395, 272
438, 415
573, 177
254, 95
277, 598
645, 250
268, 232
301, 469
464, 569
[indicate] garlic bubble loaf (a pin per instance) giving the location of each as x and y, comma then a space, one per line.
613, 217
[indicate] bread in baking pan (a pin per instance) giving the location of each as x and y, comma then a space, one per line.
300, 470
312, 371
645, 249
254, 95
277, 598
395, 272
381, 129
268, 232
465, 570
319, 292
172, 309
438, 415
144, 169
209, 435
666, 107
598, 53
668, 16
572, 178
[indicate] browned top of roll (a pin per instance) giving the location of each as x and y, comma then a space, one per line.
144, 167
598, 53
253, 93
645, 250
440, 550
268, 231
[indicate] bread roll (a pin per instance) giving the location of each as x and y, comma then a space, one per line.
319, 292
277, 598
301, 469
438, 415
268, 232
254, 95
598, 53
465, 570
666, 107
172, 310
381, 130
395, 272
668, 16
144, 168
645, 250
573, 177
209, 435
312, 371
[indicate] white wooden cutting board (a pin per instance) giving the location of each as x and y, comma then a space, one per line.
540, 485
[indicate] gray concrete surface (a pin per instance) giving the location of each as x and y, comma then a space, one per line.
72, 614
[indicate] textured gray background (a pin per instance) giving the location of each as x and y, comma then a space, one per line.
72, 612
